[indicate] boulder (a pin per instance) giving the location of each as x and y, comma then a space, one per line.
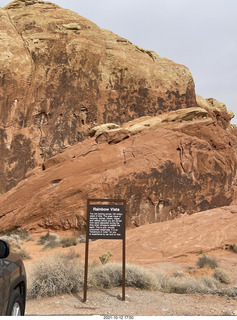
217, 110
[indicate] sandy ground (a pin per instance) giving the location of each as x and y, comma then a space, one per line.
138, 302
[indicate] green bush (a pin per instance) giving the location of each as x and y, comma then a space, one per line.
105, 257
205, 261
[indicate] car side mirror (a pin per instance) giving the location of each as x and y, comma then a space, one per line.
4, 249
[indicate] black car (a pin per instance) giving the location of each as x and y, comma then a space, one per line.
12, 282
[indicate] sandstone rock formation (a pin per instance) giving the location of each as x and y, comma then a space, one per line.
87, 114
163, 172
60, 74
204, 232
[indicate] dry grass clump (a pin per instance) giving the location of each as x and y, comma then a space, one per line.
21, 252
52, 240
15, 235
65, 274
45, 238
14, 241
68, 242
186, 285
205, 261
110, 275
55, 275
221, 275
234, 248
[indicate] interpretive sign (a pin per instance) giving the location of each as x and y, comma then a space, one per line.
105, 220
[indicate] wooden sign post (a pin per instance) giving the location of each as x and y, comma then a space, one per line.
105, 220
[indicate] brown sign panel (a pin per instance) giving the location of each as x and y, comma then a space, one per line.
106, 221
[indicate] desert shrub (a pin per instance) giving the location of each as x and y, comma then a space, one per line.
205, 261
190, 285
140, 277
51, 244
55, 275
22, 253
48, 237
82, 238
162, 281
52, 240
17, 249
11, 238
178, 274
63, 273
234, 248
221, 275
228, 292
105, 257
68, 242
71, 255
110, 275
15, 234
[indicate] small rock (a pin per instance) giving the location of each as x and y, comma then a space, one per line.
119, 297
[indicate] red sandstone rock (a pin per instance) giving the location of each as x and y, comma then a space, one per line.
163, 173
60, 77
60, 74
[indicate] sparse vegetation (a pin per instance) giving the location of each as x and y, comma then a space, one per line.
51, 244
205, 261
190, 285
55, 275
110, 275
22, 253
105, 257
15, 235
68, 242
65, 274
178, 274
52, 240
234, 248
221, 275
47, 238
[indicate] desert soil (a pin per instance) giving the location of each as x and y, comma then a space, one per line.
138, 302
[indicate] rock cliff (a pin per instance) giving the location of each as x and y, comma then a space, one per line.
87, 114
162, 169
60, 74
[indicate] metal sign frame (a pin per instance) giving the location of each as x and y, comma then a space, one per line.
98, 227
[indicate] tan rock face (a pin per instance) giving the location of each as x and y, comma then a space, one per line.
60, 75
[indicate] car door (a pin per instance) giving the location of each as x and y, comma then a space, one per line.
1, 286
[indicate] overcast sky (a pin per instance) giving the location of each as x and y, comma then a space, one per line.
201, 34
